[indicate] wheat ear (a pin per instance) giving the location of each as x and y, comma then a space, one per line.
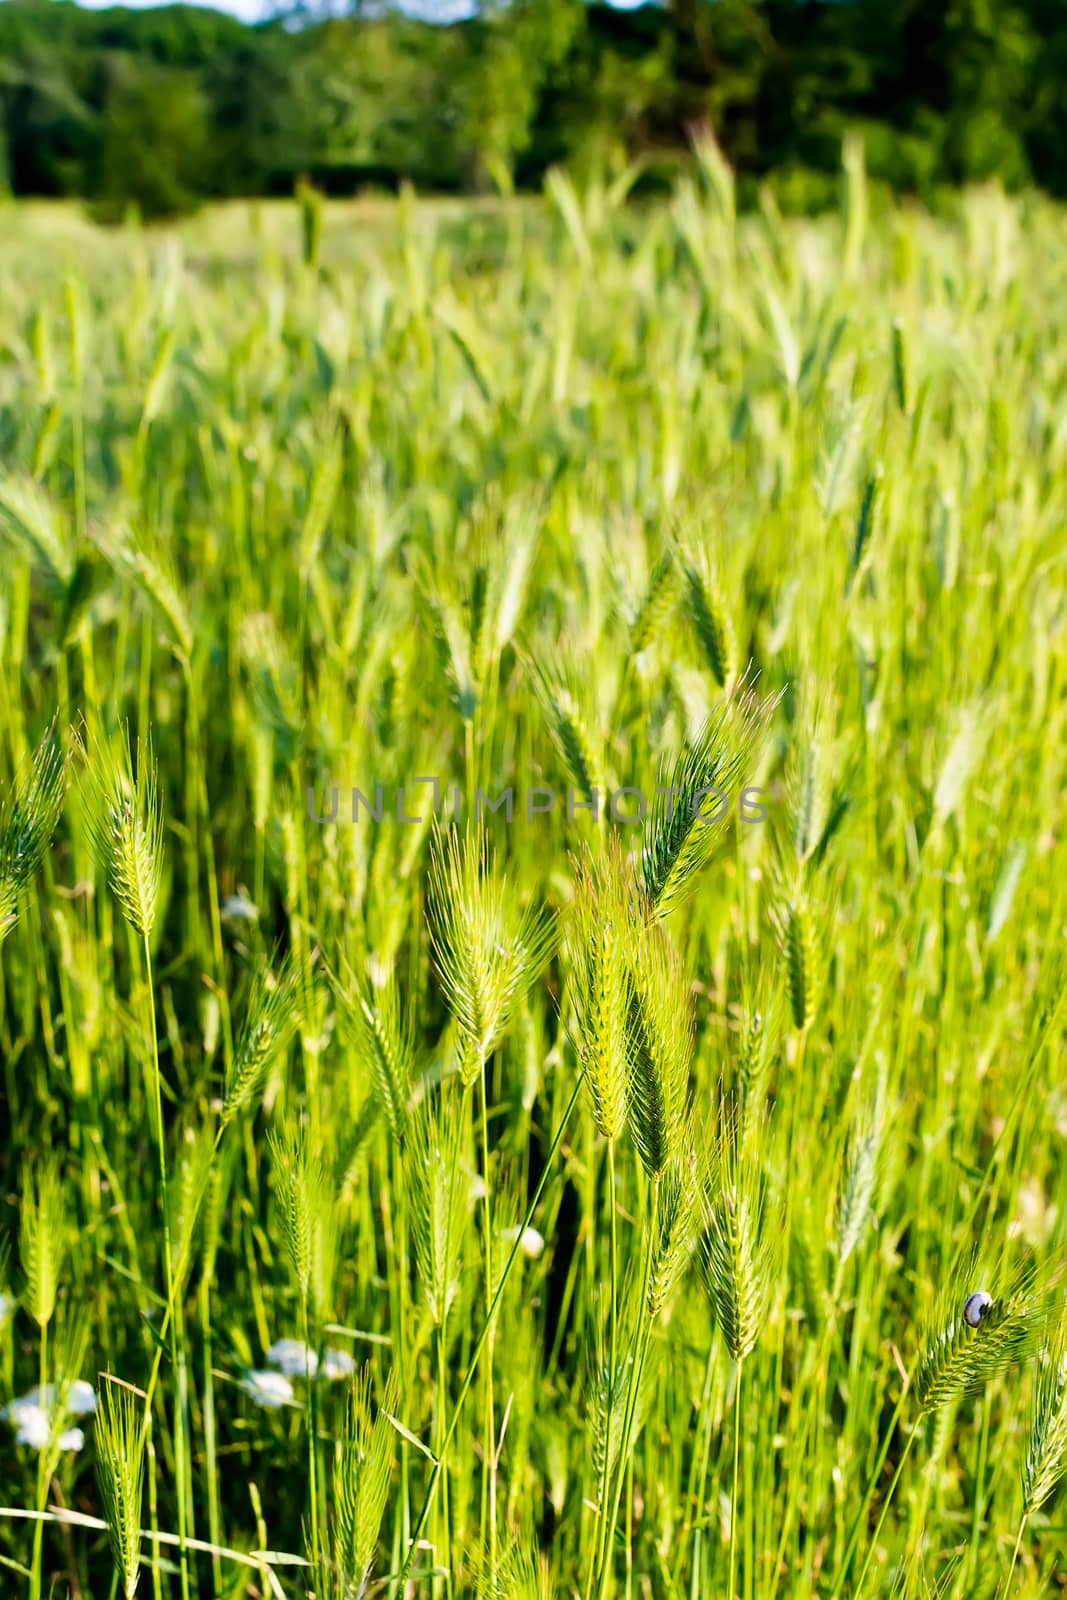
120, 1474
27, 822
486, 953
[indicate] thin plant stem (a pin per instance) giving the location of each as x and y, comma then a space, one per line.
614, 1336
210, 1448
313, 1476
153, 1511
862, 1513
442, 1404
420, 1521
633, 1390
168, 1266
733, 1492
979, 1490
185, 1479
699, 1474
468, 751
629, 1584
38, 1528
883, 1514
489, 1480
1015, 1552
598, 1546
168, 1311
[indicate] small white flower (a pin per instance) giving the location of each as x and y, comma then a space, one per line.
236, 908
293, 1358
337, 1364
7, 1306
268, 1389
79, 1398
32, 1422
477, 1189
531, 1243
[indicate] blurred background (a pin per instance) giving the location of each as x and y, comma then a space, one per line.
158, 110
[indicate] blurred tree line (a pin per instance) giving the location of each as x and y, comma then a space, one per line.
164, 108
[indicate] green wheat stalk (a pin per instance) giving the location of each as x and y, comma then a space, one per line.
125, 824
682, 835
120, 1475
43, 1246
710, 617
28, 819
382, 1037
487, 954
362, 1470
272, 1014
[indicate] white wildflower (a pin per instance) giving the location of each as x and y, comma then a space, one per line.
531, 1242
337, 1364
238, 908
268, 1389
79, 1398
33, 1422
293, 1358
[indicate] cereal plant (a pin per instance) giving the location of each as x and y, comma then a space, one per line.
533, 754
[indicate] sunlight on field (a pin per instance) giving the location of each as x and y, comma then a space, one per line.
643, 1178
236, 229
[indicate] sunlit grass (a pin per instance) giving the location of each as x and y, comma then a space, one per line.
545, 1204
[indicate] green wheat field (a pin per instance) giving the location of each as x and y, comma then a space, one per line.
646, 1196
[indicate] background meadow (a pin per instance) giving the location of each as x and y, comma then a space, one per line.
725, 1122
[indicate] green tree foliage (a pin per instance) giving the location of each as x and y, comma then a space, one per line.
166, 107
155, 140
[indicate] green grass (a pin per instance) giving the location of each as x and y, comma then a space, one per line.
621, 1186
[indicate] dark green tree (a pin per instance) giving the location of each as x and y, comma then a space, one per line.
155, 141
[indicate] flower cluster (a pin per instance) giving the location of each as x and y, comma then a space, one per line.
35, 1415
271, 1387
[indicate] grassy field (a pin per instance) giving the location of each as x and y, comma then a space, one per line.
554, 1203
